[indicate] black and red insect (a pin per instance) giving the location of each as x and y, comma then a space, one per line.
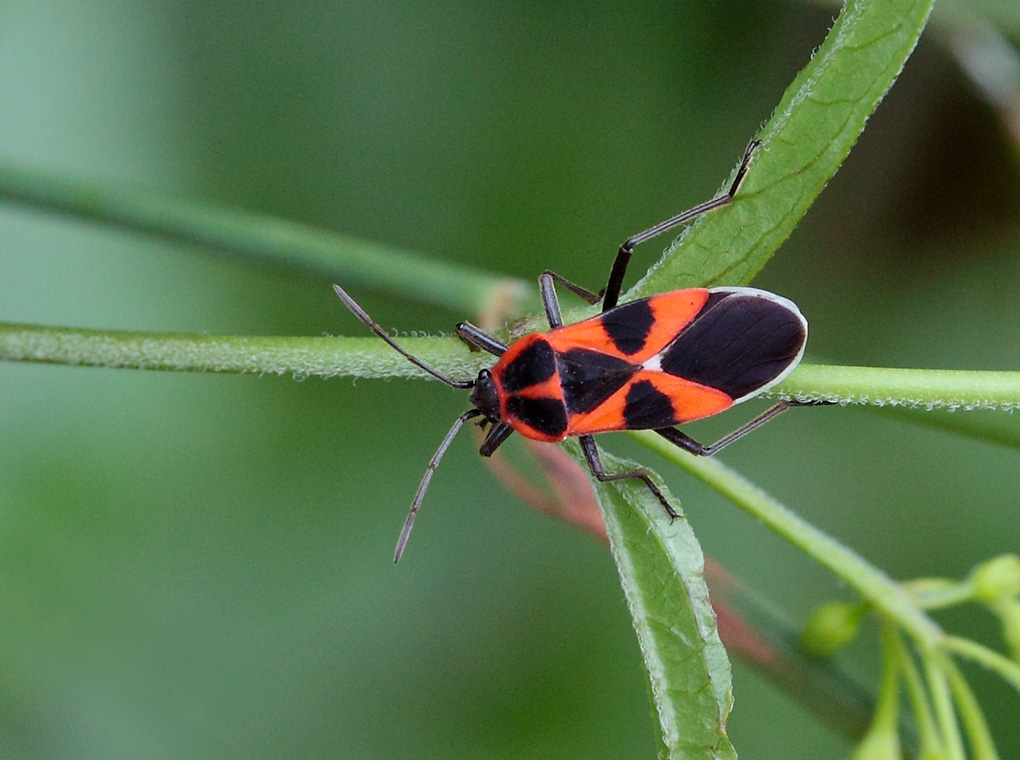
650, 364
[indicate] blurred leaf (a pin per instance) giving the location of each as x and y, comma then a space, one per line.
987, 426
1003, 14
262, 240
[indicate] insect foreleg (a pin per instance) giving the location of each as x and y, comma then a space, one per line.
478, 340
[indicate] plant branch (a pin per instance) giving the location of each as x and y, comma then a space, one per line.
298, 356
924, 716
922, 388
942, 699
368, 357
978, 735
266, 240
1007, 669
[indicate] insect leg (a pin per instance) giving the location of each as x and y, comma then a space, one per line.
685, 442
547, 289
478, 340
577, 290
616, 274
405, 532
499, 433
591, 454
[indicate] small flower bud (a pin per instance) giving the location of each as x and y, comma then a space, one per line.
831, 627
997, 578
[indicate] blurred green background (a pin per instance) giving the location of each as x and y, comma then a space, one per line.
200, 566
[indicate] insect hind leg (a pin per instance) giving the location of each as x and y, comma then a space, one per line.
688, 444
591, 455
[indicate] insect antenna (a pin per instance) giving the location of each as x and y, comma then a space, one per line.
357, 311
405, 532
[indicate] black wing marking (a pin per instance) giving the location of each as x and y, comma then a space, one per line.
741, 343
647, 407
590, 377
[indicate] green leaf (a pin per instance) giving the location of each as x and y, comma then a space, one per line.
662, 571
818, 120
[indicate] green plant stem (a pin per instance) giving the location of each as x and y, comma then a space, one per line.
1006, 668
266, 240
942, 699
887, 711
885, 594
370, 358
978, 736
927, 728
939, 593
924, 388
299, 356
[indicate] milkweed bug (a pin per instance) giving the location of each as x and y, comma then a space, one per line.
649, 364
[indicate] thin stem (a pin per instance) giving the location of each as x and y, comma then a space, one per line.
266, 240
299, 356
369, 357
1006, 668
978, 736
931, 742
919, 388
939, 593
944, 712
887, 711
